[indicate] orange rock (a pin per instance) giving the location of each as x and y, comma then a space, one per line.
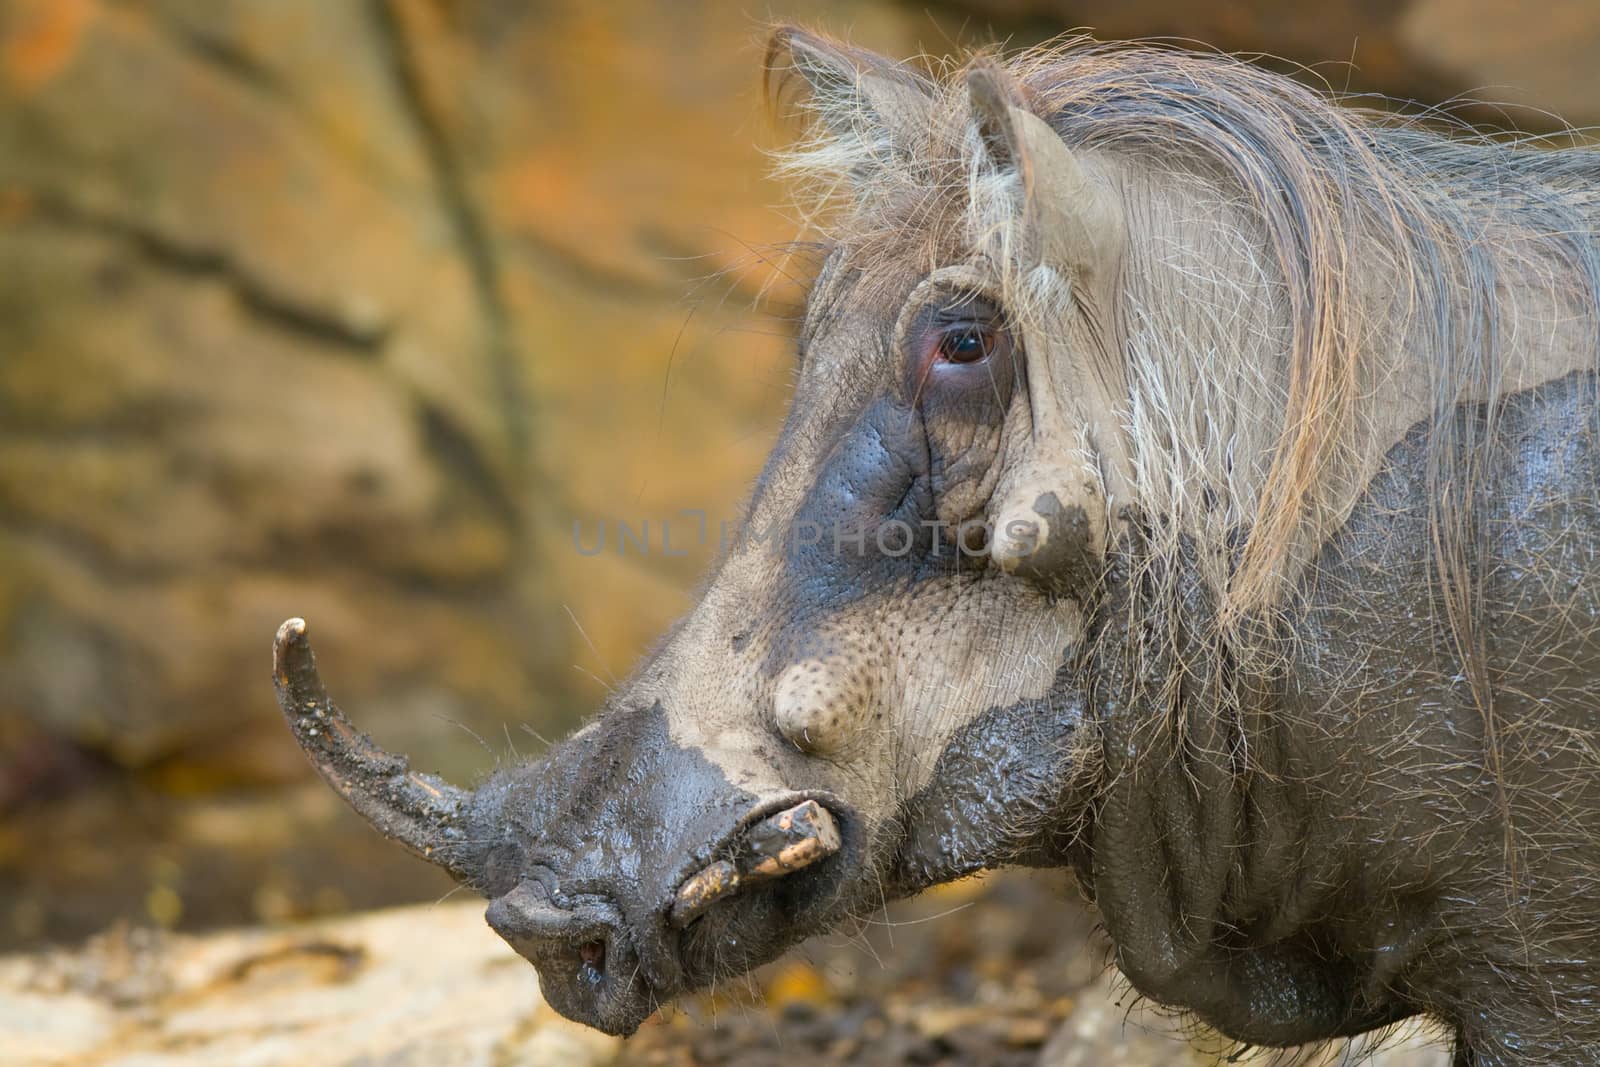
40, 37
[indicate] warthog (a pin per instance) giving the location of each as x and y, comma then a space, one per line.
1207, 477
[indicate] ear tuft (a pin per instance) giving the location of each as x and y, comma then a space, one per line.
994, 96
824, 65
876, 108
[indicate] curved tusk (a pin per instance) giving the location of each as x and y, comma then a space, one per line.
790, 841
422, 812
712, 883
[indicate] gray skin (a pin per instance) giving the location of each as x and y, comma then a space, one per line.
1338, 855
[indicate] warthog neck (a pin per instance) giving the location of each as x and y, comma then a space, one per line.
1295, 853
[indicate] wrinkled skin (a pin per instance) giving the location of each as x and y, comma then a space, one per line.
953, 715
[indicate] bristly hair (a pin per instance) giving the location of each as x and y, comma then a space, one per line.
1300, 275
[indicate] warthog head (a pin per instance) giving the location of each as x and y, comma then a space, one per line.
870, 697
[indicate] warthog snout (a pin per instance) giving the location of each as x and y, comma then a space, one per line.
588, 966
624, 867
610, 947
596, 967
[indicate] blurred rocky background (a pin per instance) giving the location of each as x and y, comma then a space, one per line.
384, 313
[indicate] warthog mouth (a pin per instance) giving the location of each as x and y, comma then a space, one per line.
779, 877
769, 847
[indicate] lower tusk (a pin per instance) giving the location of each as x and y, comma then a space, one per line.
790, 841
695, 897
776, 846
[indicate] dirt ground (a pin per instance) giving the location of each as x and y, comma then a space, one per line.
988, 973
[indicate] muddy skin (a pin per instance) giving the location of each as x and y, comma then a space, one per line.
584, 857
1001, 793
875, 483
1357, 873
1065, 566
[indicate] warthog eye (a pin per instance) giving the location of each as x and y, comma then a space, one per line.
968, 343
958, 353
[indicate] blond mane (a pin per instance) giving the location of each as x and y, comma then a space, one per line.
1305, 280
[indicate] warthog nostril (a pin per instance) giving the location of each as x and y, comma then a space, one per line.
778, 845
593, 955
571, 943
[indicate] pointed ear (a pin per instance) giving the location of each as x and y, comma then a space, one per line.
1067, 220
874, 107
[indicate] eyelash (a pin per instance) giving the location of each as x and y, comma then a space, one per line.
987, 337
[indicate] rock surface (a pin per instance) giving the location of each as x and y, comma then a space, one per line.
424, 985
361, 312
1485, 59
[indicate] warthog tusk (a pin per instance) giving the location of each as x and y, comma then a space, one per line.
695, 896
776, 846
789, 841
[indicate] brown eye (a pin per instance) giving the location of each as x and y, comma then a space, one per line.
967, 343
957, 349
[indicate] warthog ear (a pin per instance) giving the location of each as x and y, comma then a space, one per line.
873, 108
1058, 235
1066, 220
